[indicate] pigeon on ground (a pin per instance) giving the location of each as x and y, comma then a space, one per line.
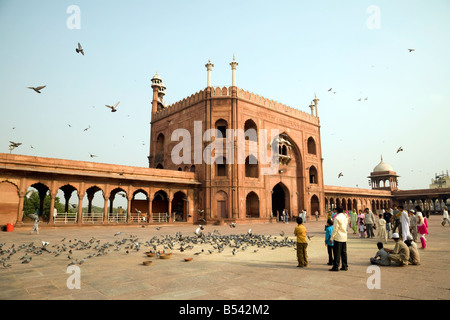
27, 260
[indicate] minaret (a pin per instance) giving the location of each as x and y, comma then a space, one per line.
209, 67
316, 104
158, 91
312, 108
233, 65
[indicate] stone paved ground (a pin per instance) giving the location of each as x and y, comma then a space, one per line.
247, 275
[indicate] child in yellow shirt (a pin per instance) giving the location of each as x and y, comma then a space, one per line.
300, 232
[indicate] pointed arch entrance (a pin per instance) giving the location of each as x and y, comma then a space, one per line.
280, 199
252, 205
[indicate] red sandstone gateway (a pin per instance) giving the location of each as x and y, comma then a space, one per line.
198, 191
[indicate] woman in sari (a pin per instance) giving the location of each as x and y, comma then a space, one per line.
422, 226
354, 221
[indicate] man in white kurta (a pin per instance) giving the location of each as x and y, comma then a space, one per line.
405, 224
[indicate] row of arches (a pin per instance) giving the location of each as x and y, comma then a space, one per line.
95, 205
280, 201
350, 203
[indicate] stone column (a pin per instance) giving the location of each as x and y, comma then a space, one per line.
128, 209
20, 208
52, 208
169, 208
105, 210
80, 208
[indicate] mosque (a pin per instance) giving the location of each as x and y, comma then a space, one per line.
221, 155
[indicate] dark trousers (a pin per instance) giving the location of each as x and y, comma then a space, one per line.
330, 254
340, 254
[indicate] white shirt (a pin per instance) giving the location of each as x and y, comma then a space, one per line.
340, 224
445, 214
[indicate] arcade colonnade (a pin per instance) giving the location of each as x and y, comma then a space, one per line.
358, 199
159, 194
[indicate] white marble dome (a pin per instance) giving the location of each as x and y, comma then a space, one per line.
382, 166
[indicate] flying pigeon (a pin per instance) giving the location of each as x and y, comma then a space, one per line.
113, 108
37, 89
359, 99
411, 50
80, 49
15, 144
86, 129
28, 194
340, 175
92, 155
399, 149
330, 89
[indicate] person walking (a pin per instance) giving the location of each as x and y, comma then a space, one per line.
387, 215
369, 221
382, 234
354, 221
422, 227
413, 224
396, 220
328, 244
35, 216
300, 233
339, 240
404, 219
445, 218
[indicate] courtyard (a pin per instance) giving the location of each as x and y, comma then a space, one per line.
236, 272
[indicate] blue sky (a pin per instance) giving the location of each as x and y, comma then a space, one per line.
286, 50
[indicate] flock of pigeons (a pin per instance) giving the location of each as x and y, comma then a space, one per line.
212, 242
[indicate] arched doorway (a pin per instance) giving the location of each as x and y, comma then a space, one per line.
139, 206
179, 203
280, 199
160, 207
221, 200
315, 205
39, 198
252, 205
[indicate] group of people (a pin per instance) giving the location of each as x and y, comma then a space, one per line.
284, 216
405, 226
390, 221
335, 239
403, 254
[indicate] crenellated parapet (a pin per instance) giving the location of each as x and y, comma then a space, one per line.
222, 92
275, 105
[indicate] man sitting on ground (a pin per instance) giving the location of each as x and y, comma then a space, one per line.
382, 257
400, 254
